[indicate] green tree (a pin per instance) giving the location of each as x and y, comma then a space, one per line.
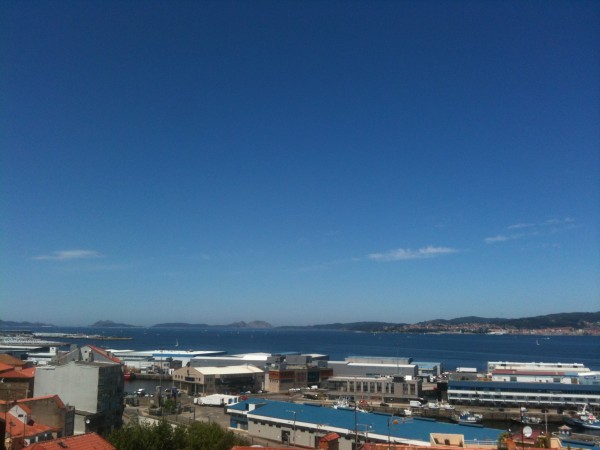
163, 436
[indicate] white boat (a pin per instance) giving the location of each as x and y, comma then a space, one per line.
583, 419
344, 403
467, 417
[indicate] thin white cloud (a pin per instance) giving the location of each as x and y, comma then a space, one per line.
504, 238
516, 226
498, 238
68, 255
401, 254
533, 229
564, 221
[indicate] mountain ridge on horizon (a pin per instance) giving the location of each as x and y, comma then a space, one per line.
573, 320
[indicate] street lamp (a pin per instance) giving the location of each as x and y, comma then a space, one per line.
294, 426
367, 427
24, 418
11, 425
391, 420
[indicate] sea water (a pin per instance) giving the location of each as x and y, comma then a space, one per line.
452, 350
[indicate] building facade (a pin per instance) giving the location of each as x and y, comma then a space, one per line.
375, 389
91, 380
370, 366
295, 371
219, 380
494, 393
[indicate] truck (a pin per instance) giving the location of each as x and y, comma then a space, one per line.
217, 400
415, 404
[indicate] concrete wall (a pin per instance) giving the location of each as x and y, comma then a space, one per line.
297, 435
342, 368
46, 411
75, 384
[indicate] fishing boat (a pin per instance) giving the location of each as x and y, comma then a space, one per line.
569, 439
129, 376
583, 419
467, 417
345, 403
526, 419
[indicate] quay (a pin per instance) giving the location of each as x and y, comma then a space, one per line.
490, 414
153, 376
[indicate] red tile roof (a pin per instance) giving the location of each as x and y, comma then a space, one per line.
22, 374
55, 397
105, 353
330, 437
90, 441
11, 360
20, 429
4, 367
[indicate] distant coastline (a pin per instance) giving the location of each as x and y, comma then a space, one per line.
564, 324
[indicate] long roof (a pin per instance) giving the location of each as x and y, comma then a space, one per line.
90, 441
227, 370
410, 430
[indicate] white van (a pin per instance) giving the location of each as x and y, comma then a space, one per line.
415, 404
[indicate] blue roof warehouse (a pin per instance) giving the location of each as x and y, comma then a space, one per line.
305, 424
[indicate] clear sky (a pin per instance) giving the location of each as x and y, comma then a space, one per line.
298, 162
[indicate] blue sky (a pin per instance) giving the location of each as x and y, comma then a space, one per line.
298, 162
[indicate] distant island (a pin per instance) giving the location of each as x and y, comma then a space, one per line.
10, 323
111, 324
242, 324
576, 323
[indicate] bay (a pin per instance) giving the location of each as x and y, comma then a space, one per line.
452, 350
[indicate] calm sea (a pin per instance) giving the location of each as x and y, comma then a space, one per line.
453, 350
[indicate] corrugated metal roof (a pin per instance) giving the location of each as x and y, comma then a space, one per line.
347, 421
227, 370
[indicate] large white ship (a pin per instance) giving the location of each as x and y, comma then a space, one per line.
20, 342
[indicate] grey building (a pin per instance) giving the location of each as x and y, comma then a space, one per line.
371, 366
89, 379
375, 389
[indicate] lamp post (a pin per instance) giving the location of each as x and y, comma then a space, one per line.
24, 418
293, 427
11, 425
391, 421
367, 427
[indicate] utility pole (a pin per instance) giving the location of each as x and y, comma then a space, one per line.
293, 427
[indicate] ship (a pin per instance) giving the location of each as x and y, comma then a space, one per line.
24, 342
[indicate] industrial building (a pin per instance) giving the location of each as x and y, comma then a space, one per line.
304, 425
219, 380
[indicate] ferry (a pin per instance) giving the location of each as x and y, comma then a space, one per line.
21, 342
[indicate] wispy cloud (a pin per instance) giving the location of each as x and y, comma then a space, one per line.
68, 255
532, 229
516, 226
401, 254
502, 238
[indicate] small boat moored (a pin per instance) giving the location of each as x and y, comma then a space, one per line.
569, 439
583, 419
526, 419
467, 417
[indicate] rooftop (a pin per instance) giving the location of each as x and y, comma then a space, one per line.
410, 430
